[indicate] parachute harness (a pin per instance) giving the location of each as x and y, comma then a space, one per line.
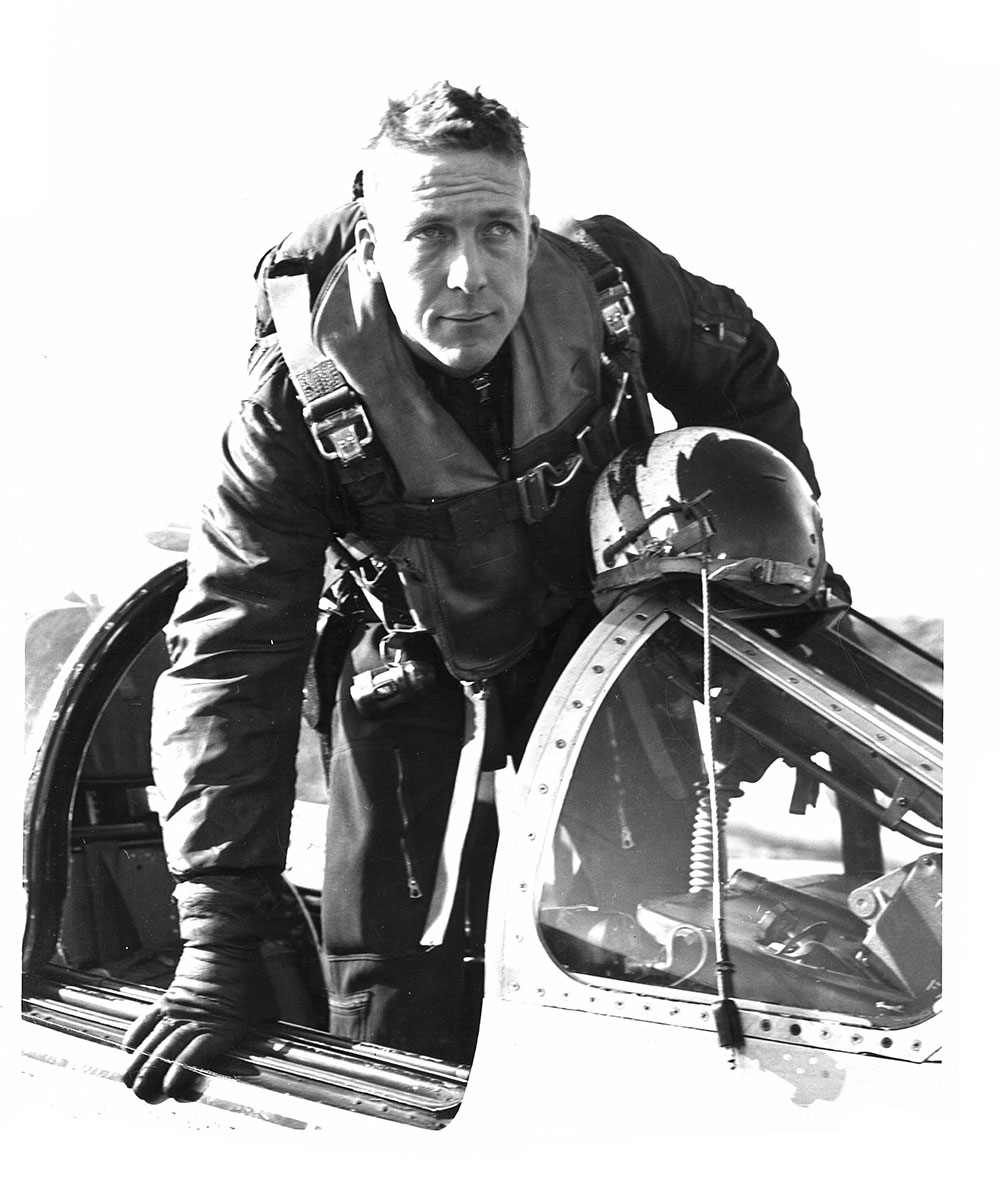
727, 1015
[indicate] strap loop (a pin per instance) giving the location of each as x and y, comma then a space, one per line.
337, 435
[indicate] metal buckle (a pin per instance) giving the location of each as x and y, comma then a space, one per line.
342, 429
617, 310
533, 488
616, 406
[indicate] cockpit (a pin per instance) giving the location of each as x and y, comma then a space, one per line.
827, 803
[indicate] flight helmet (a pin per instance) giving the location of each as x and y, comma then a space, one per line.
704, 495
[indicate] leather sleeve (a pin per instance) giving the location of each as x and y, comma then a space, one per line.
226, 713
705, 355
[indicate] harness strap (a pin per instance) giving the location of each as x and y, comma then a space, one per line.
614, 297
463, 798
332, 409
529, 497
380, 584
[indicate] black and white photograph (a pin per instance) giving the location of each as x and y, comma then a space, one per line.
489, 486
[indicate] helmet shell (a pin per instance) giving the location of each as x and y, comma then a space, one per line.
706, 495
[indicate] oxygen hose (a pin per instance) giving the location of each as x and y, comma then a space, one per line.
727, 1015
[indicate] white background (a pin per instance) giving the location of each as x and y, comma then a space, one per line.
826, 161
832, 162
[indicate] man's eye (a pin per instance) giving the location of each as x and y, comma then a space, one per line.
499, 229
430, 233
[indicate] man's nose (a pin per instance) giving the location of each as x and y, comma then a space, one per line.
466, 271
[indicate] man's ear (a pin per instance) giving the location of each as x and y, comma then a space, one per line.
534, 226
364, 236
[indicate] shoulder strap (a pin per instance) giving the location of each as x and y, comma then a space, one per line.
332, 409
621, 355
614, 296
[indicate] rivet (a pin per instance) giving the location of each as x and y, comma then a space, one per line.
515, 987
915, 1046
543, 788
578, 704
619, 641
598, 670
560, 743
835, 707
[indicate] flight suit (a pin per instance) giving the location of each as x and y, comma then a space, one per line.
227, 713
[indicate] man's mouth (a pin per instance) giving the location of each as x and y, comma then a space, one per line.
467, 318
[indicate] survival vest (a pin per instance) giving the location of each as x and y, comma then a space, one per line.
484, 561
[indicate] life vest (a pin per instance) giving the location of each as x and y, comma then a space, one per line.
484, 562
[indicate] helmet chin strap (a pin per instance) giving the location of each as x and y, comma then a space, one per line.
727, 1015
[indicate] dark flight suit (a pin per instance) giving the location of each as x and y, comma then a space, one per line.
227, 714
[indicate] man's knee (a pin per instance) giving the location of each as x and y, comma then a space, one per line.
412, 1002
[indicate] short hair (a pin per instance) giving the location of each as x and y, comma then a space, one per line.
443, 116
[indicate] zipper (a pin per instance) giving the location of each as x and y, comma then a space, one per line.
412, 886
484, 399
718, 332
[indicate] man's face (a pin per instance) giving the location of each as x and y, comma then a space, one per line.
451, 238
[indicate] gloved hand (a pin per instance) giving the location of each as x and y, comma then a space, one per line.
354, 325
219, 992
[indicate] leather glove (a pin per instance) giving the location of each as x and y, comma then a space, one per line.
220, 989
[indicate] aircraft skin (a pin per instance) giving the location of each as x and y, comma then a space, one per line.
568, 1055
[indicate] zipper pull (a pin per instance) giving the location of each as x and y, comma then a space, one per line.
482, 385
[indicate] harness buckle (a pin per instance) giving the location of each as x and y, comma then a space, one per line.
617, 309
344, 434
538, 489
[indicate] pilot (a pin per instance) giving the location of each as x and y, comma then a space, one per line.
437, 382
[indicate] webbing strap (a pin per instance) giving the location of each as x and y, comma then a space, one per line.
463, 798
291, 307
529, 498
614, 296
331, 407
750, 570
